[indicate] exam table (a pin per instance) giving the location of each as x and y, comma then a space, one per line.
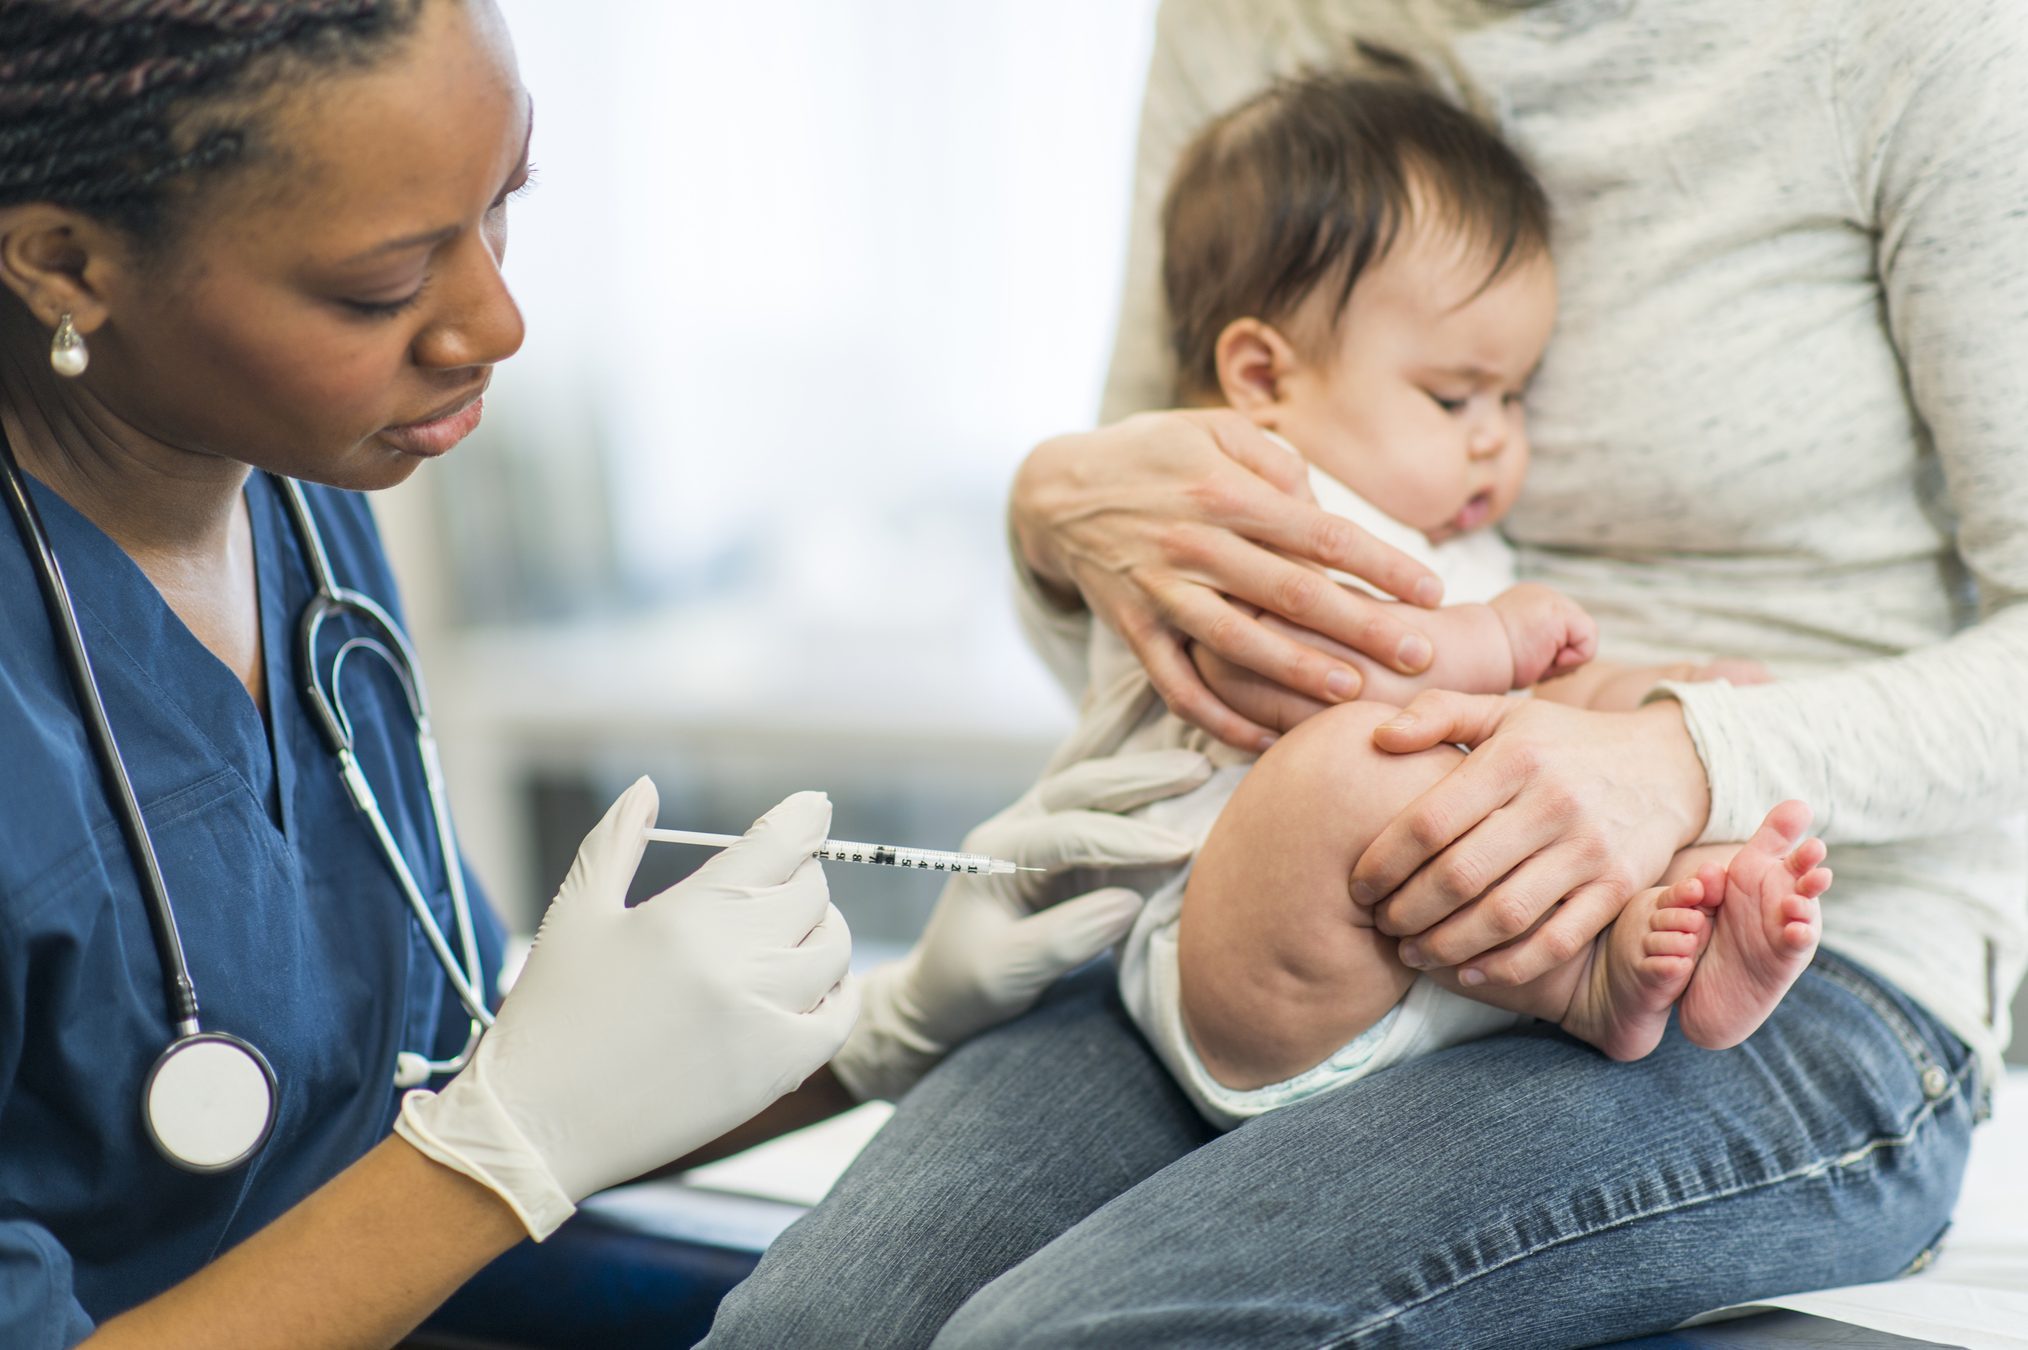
645, 1265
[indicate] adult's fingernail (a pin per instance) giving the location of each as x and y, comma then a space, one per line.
1414, 652
1341, 684
1428, 591
1363, 894
1411, 955
1266, 742
1471, 976
1400, 723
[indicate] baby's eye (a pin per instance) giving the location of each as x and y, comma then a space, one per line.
1449, 405
1516, 399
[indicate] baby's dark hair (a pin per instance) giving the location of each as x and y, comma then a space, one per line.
1309, 183
104, 103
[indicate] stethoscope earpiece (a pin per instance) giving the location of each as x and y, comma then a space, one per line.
209, 1102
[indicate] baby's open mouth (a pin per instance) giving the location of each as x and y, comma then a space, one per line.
1475, 512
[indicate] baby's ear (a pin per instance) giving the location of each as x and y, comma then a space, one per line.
1254, 362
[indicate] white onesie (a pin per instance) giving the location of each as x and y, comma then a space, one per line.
1122, 713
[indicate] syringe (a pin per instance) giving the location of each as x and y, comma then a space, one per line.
884, 855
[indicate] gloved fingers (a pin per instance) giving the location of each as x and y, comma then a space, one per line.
1064, 937
783, 915
610, 855
825, 1027
1123, 782
797, 978
1087, 839
774, 847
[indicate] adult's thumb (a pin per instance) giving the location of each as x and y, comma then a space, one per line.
610, 855
775, 845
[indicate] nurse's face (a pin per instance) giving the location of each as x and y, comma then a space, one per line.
333, 311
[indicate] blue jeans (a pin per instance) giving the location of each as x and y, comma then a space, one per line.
1048, 1186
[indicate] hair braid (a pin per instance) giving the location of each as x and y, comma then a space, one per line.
99, 98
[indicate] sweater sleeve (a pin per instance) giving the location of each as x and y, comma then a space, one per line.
1932, 740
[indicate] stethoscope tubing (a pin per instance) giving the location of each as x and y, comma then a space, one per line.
391, 644
181, 992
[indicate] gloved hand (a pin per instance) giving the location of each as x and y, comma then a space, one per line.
635, 1035
987, 953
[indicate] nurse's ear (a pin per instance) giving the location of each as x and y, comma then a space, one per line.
1254, 362
58, 261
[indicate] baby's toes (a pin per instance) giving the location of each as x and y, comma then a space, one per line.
1667, 943
1710, 879
1807, 855
1814, 882
1672, 918
1799, 920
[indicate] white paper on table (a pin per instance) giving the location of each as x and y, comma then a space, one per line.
799, 1167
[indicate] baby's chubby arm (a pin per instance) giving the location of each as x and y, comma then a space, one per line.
1605, 687
1525, 634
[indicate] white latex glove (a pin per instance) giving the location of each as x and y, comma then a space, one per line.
988, 953
635, 1035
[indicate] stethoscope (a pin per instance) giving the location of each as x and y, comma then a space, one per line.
209, 1102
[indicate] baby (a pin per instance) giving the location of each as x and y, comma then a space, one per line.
1363, 270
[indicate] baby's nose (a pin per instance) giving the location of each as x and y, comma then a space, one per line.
1488, 440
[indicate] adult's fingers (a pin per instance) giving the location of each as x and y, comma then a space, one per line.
1066, 839
774, 846
1252, 695
1445, 811
1065, 936
1466, 894
1184, 692
1508, 910
1443, 717
1253, 449
1556, 941
1225, 564
1123, 782
1287, 519
824, 1028
796, 978
784, 914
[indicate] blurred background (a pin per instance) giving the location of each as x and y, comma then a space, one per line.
803, 282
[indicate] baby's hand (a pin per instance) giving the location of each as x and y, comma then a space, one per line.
1548, 633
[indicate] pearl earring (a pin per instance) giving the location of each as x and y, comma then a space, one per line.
68, 355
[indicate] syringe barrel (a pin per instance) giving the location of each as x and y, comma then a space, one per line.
926, 859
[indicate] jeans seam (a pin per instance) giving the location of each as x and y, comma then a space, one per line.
1891, 1016
1817, 1168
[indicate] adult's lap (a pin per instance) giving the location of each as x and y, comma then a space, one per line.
1008, 1143
1518, 1190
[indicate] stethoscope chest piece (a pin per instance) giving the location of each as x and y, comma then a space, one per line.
209, 1102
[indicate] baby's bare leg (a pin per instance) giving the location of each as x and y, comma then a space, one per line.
1278, 967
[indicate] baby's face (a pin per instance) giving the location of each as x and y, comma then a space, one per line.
1416, 405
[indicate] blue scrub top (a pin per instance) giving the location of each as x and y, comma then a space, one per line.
296, 934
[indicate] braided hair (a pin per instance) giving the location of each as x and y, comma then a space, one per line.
103, 103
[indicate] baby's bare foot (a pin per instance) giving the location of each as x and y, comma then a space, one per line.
1764, 932
1642, 965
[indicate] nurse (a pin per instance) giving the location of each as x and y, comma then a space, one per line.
244, 242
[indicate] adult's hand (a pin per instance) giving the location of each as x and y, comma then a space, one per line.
989, 951
634, 1035
1162, 520
1525, 851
